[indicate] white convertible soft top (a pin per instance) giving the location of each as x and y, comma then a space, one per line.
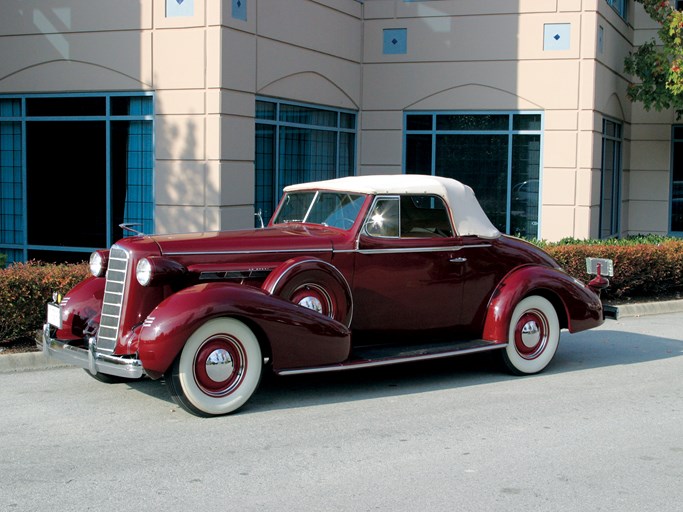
468, 217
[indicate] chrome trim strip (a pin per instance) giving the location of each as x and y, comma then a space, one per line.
387, 361
90, 359
263, 251
335, 251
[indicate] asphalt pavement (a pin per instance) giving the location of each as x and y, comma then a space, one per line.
599, 430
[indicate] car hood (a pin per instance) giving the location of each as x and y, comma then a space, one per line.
288, 237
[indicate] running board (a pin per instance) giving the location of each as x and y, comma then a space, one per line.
368, 357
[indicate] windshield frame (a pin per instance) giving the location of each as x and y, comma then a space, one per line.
348, 207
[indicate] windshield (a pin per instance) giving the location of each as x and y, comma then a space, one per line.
334, 209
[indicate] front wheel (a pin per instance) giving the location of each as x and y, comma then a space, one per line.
218, 369
533, 337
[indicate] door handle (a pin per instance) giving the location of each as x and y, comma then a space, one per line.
458, 260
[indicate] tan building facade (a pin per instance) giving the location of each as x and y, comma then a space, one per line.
191, 115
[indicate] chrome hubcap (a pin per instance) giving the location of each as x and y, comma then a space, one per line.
312, 303
531, 334
219, 365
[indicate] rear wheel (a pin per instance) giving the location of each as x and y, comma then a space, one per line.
315, 285
533, 337
218, 369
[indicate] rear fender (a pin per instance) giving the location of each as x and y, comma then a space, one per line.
577, 306
293, 335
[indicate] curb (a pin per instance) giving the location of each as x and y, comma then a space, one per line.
644, 308
29, 361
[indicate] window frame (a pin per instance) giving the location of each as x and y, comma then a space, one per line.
510, 132
617, 179
278, 125
674, 141
108, 118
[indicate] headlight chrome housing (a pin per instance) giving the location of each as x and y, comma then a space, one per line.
98, 263
143, 272
157, 269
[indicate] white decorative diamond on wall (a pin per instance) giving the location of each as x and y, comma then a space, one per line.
175, 8
557, 36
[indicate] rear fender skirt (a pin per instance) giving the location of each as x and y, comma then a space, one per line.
293, 335
577, 303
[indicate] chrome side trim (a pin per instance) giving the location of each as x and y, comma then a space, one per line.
90, 359
356, 365
334, 251
262, 251
403, 250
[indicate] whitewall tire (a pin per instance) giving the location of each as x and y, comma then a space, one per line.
533, 336
218, 369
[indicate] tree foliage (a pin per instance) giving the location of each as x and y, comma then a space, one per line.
658, 65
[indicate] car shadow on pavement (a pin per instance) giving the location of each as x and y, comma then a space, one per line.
578, 352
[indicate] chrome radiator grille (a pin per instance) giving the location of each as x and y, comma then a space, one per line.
110, 321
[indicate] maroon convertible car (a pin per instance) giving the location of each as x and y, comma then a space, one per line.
349, 273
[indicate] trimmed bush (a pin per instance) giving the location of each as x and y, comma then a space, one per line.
25, 288
646, 266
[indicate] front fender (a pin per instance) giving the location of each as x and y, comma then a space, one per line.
295, 336
81, 308
579, 308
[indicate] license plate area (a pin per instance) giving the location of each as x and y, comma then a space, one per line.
54, 315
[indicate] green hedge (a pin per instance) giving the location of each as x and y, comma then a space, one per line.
25, 288
644, 266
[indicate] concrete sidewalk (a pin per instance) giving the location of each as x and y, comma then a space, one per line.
37, 361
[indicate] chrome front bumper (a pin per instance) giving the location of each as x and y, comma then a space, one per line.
89, 358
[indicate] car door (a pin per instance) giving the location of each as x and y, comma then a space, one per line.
408, 268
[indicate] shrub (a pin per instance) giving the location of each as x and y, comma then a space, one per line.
644, 266
25, 288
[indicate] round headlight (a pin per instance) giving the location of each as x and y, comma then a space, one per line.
143, 272
98, 264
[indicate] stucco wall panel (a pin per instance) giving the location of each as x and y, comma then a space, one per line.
180, 137
586, 222
237, 60
399, 86
67, 76
559, 186
649, 185
588, 187
650, 155
180, 102
180, 182
311, 25
236, 138
57, 16
180, 219
561, 120
648, 216
374, 120
439, 8
556, 220
304, 75
559, 149
231, 217
382, 147
230, 183
179, 59
109, 53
